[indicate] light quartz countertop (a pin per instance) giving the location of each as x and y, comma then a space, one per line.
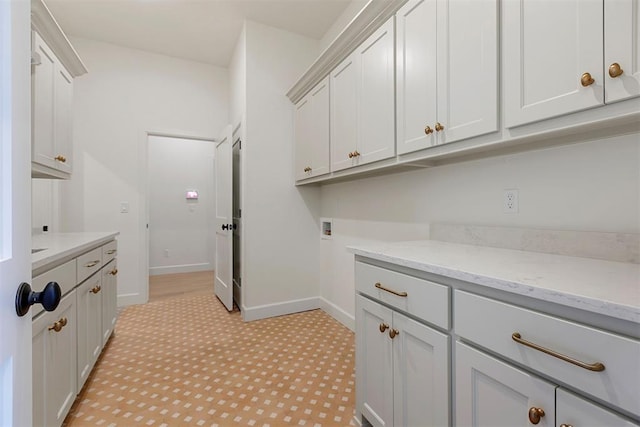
58, 246
605, 287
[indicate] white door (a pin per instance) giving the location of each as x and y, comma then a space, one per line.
548, 47
420, 374
621, 49
224, 219
490, 392
15, 224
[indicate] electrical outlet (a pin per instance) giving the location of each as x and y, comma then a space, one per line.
510, 201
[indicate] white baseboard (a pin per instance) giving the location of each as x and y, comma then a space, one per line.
279, 309
184, 268
337, 313
130, 299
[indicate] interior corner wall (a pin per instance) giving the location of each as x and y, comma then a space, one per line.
280, 220
589, 186
125, 94
341, 22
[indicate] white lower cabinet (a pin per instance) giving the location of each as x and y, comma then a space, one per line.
54, 363
89, 326
402, 368
109, 299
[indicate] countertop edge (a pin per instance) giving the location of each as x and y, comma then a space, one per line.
73, 250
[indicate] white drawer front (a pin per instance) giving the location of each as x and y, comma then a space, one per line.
109, 252
89, 263
64, 275
426, 300
491, 324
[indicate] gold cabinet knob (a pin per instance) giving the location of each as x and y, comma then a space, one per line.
307, 169
351, 155
383, 327
58, 325
566, 425
586, 80
439, 127
393, 333
428, 130
95, 289
615, 70
63, 321
61, 159
356, 153
535, 414
113, 272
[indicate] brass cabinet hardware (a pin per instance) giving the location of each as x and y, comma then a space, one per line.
60, 158
58, 325
383, 327
96, 289
92, 263
596, 367
393, 333
586, 80
428, 130
307, 169
113, 272
439, 127
535, 414
400, 294
112, 251
615, 70
351, 155
356, 153
566, 425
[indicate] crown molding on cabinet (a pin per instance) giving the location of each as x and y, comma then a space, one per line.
45, 24
374, 14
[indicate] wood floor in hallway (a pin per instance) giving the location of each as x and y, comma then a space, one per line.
187, 361
167, 286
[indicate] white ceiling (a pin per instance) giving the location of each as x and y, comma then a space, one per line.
200, 30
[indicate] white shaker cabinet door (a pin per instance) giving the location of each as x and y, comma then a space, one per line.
63, 119
43, 77
89, 314
319, 150
467, 69
376, 96
344, 113
416, 88
621, 49
490, 392
303, 133
374, 382
552, 58
421, 374
109, 299
572, 410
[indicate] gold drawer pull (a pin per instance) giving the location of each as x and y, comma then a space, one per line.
383, 327
111, 252
92, 263
400, 294
96, 289
113, 272
61, 159
596, 367
535, 414
57, 326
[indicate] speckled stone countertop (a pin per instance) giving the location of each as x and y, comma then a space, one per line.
605, 287
58, 246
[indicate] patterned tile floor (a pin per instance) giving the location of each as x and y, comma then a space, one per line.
188, 362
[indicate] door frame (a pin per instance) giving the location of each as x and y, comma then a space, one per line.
238, 131
143, 219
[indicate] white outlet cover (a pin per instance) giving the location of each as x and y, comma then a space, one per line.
510, 201
124, 207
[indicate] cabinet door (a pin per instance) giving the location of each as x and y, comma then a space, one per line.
421, 374
416, 52
374, 381
89, 326
548, 46
344, 107
63, 94
303, 134
572, 410
376, 93
320, 135
43, 78
109, 299
490, 392
467, 69
622, 47
54, 363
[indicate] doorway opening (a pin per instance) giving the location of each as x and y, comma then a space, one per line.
237, 220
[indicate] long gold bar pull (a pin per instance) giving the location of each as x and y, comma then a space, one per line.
595, 367
400, 294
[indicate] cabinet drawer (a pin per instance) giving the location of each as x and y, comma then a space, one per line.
64, 275
109, 252
491, 324
426, 300
89, 263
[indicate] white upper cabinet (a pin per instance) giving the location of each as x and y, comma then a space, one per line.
552, 58
447, 80
312, 132
621, 49
362, 103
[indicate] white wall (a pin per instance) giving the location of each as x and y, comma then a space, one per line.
280, 221
45, 206
341, 22
238, 80
181, 230
591, 186
127, 93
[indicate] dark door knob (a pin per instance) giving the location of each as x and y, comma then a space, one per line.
235, 226
49, 297
225, 226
